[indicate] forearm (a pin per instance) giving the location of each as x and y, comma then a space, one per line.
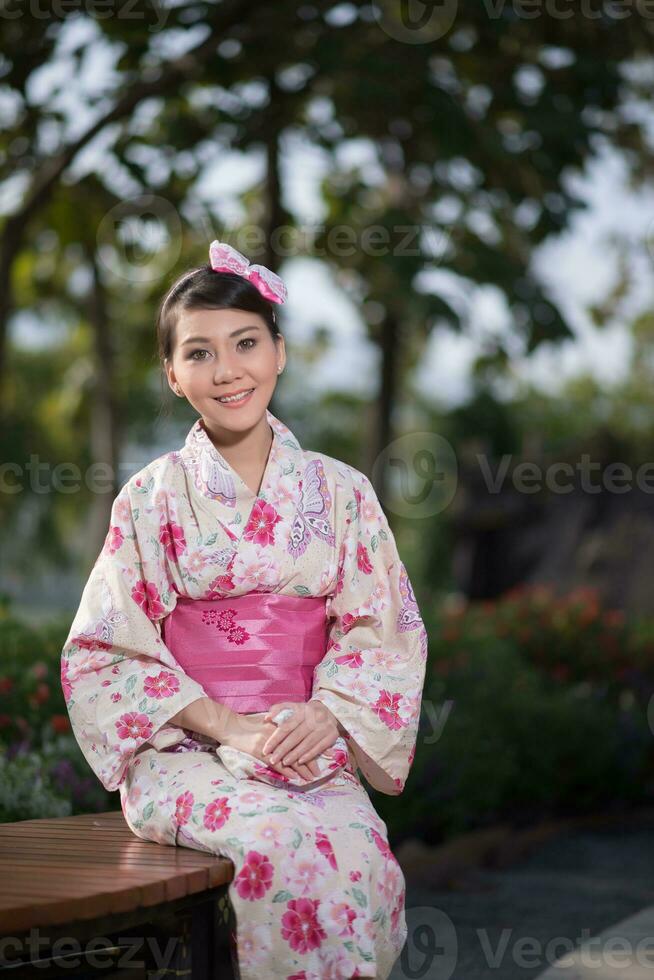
206, 716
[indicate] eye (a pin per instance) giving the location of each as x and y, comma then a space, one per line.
192, 356
249, 340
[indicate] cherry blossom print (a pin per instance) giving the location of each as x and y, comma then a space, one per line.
164, 685
255, 877
316, 892
146, 595
113, 540
171, 536
134, 724
300, 926
261, 526
216, 813
225, 622
255, 569
341, 915
254, 944
303, 875
183, 808
363, 560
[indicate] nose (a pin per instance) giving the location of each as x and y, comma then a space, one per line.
225, 370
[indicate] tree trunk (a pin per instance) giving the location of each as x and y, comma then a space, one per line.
105, 436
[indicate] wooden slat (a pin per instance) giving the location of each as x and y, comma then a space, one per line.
57, 871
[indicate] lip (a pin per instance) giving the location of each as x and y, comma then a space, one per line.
238, 404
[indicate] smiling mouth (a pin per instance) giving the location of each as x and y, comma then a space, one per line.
234, 398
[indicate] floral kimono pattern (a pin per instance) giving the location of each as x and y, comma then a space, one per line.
317, 892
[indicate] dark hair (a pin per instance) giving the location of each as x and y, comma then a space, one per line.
204, 289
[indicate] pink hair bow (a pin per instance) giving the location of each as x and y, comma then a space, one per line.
224, 258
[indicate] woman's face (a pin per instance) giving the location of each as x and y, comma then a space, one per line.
222, 352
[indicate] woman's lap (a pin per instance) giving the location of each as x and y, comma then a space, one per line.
316, 887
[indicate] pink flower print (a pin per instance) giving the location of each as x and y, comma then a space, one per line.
263, 770
348, 620
351, 659
238, 635
183, 807
382, 845
387, 707
225, 619
225, 622
357, 497
216, 813
255, 877
355, 875
339, 758
164, 685
171, 536
134, 725
261, 526
301, 874
363, 560
343, 915
219, 586
113, 540
300, 925
324, 845
146, 595
65, 681
92, 643
116, 696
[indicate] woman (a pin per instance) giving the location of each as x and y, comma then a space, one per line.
248, 640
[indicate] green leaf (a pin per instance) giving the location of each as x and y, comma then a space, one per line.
277, 809
149, 810
360, 897
282, 896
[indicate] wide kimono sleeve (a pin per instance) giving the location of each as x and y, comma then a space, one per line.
120, 681
372, 675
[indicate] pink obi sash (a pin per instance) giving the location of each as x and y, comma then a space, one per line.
249, 651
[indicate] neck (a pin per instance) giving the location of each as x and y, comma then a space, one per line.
244, 449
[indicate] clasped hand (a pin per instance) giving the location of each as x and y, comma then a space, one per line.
311, 729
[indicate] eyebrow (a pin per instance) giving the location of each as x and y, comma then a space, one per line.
208, 340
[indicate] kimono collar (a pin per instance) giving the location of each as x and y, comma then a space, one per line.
215, 478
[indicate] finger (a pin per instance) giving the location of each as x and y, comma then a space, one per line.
280, 734
305, 772
317, 749
303, 751
292, 739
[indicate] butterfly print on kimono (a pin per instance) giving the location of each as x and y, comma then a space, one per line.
103, 629
313, 507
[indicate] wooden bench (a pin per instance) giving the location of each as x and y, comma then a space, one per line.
82, 896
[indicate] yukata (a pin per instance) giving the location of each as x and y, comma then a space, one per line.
317, 893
